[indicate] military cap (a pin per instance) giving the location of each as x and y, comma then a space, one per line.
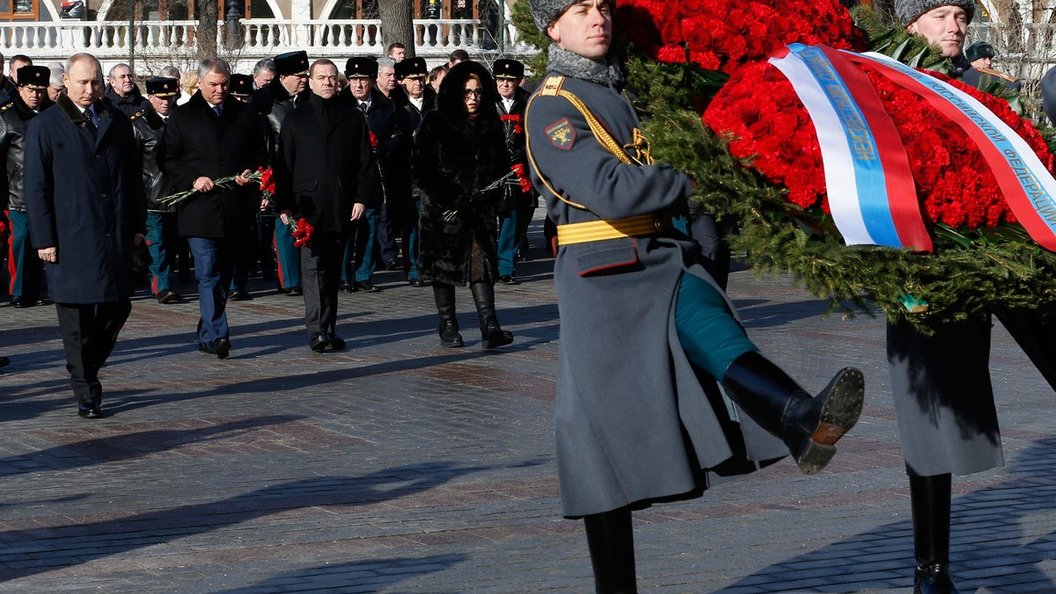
360, 67
241, 85
979, 49
545, 12
163, 86
34, 77
291, 63
910, 10
411, 67
507, 69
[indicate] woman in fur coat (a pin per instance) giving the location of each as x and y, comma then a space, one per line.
459, 154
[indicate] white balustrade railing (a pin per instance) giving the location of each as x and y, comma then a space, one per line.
257, 37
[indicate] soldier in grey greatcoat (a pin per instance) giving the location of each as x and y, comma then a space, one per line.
642, 323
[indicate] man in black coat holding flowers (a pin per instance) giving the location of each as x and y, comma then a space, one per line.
212, 144
324, 175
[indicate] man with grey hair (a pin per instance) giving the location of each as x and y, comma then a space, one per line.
214, 136
56, 86
263, 73
121, 90
84, 195
386, 82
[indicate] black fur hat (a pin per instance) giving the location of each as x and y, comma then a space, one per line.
450, 100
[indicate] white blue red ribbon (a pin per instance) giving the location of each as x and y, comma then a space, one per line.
869, 183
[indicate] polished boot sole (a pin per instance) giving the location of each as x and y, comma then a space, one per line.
496, 341
844, 397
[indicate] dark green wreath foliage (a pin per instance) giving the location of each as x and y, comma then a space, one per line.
970, 274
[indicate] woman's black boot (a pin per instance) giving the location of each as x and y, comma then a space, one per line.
930, 499
445, 305
809, 425
610, 538
491, 334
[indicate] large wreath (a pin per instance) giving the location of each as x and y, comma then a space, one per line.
716, 109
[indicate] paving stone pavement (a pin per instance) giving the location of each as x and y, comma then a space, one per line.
397, 466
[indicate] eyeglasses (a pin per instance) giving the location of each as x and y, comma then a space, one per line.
475, 93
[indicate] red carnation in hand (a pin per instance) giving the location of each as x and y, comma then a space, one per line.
267, 180
373, 140
302, 232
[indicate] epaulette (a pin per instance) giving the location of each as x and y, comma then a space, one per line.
552, 86
137, 115
7, 106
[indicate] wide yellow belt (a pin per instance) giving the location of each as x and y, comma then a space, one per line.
602, 230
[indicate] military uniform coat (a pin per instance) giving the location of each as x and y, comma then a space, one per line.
197, 143
634, 422
513, 126
149, 129
85, 197
14, 119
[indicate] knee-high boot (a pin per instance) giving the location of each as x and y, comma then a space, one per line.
610, 538
491, 334
930, 499
809, 426
445, 305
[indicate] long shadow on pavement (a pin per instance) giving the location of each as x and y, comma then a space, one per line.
129, 446
358, 576
30, 552
992, 544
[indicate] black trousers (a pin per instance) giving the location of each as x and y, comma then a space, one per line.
320, 277
89, 333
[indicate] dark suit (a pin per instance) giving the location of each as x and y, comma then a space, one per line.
324, 166
198, 143
84, 196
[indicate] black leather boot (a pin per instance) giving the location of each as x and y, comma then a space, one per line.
610, 538
930, 499
445, 305
491, 335
809, 426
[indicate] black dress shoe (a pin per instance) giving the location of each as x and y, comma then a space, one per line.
239, 296
417, 282
319, 343
347, 288
507, 279
294, 292
19, 303
221, 347
90, 412
168, 296
367, 287
44, 301
337, 343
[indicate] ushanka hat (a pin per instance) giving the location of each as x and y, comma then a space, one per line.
291, 63
910, 10
34, 77
163, 86
545, 12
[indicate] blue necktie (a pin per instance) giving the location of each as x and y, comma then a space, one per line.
217, 109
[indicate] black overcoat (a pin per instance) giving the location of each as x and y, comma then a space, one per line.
196, 144
325, 164
454, 158
84, 196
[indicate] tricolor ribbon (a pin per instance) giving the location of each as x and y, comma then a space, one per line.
870, 185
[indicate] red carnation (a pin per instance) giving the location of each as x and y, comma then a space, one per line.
267, 180
302, 232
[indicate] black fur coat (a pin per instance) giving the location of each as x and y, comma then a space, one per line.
453, 159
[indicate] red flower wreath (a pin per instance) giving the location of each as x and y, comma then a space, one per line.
727, 34
768, 128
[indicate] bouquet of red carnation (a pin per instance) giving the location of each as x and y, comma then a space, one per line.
301, 230
264, 177
512, 120
373, 140
521, 174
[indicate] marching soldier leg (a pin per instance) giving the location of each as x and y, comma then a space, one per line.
930, 499
714, 341
610, 538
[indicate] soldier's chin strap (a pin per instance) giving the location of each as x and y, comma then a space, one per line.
552, 87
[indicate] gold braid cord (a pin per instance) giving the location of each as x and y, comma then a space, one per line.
639, 146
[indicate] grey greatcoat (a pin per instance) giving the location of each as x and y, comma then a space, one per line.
634, 422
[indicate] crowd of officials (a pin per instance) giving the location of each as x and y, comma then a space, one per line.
306, 175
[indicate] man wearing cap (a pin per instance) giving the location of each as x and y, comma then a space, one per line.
241, 87
122, 92
149, 128
517, 206
210, 137
644, 328
324, 173
386, 125
27, 285
417, 100
288, 89
981, 75
84, 194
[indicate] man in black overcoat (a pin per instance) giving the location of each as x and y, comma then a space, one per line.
86, 212
324, 174
417, 99
517, 205
214, 136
